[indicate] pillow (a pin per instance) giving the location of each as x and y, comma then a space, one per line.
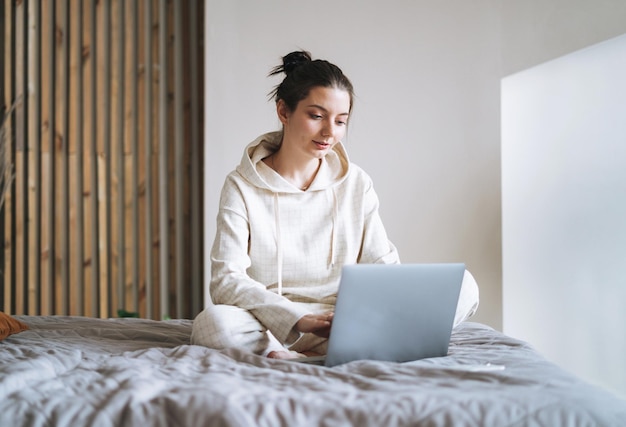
9, 326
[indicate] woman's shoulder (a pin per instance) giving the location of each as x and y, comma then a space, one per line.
358, 170
357, 181
358, 174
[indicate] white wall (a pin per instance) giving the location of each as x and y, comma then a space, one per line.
533, 32
564, 210
425, 123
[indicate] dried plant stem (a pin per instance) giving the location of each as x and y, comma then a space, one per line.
6, 167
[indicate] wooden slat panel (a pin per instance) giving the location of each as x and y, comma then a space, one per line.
11, 200
106, 244
35, 214
93, 164
4, 30
134, 225
163, 163
65, 140
119, 193
148, 43
50, 152
104, 209
77, 148
196, 156
23, 267
179, 252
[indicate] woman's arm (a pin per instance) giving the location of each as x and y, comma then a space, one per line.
230, 283
376, 247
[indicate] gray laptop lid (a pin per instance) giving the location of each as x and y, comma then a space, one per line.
398, 312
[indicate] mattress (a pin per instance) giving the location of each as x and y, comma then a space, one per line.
76, 371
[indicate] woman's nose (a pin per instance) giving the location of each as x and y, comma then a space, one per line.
328, 129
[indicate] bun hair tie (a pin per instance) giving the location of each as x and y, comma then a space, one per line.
294, 60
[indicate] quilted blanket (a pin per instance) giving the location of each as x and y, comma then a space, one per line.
74, 371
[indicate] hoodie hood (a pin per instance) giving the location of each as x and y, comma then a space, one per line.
333, 169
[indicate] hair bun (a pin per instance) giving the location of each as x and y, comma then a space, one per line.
294, 59
302, 74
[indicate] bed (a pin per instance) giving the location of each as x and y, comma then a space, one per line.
77, 371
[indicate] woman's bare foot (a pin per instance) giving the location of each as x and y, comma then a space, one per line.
284, 355
290, 354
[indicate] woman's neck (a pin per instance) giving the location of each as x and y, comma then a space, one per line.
298, 171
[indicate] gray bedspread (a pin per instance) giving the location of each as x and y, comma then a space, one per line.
73, 371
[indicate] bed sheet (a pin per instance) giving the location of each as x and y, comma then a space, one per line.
75, 371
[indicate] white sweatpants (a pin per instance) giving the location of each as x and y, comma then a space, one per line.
227, 326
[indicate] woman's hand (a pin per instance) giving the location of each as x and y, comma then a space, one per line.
318, 324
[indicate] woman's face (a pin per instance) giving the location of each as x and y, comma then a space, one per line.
318, 122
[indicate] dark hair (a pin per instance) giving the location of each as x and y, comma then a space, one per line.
303, 74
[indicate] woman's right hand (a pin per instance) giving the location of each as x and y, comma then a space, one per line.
318, 324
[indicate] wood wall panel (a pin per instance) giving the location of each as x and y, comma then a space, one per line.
96, 205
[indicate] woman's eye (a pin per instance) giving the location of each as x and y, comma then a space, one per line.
316, 116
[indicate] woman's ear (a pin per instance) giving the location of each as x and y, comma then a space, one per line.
282, 111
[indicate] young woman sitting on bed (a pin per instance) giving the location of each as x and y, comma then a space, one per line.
291, 215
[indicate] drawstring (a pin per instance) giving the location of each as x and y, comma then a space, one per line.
332, 236
279, 247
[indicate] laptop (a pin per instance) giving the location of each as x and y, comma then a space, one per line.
392, 312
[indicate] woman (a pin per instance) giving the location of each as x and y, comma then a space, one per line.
291, 215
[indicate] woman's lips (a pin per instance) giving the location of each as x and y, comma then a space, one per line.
322, 145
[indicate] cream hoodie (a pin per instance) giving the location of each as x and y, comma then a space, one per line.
278, 251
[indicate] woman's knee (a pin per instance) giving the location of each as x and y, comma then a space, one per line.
468, 299
227, 326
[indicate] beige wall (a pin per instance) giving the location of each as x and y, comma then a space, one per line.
535, 31
426, 124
